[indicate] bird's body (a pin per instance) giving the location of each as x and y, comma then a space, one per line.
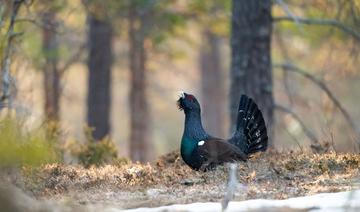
202, 151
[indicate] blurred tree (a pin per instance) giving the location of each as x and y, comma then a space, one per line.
50, 49
212, 83
140, 146
251, 61
213, 91
150, 23
100, 55
46, 52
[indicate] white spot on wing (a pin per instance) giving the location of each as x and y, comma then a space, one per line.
200, 143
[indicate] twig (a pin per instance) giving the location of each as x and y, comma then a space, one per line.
323, 22
295, 139
322, 86
2, 10
36, 23
307, 132
231, 186
333, 143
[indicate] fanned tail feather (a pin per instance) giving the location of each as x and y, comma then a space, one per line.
251, 135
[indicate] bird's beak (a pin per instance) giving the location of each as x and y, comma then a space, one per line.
182, 94
181, 98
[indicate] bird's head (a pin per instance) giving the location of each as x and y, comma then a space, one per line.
188, 102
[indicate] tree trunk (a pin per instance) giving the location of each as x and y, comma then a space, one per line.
99, 83
251, 72
140, 146
51, 78
212, 84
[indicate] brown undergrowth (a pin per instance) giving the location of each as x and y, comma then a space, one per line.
169, 180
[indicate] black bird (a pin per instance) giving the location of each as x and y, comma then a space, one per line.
202, 151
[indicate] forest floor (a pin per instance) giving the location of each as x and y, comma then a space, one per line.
169, 180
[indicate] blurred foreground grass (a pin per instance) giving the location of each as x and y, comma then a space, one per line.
22, 146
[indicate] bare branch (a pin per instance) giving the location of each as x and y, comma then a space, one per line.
289, 13
323, 22
6, 61
73, 59
33, 21
322, 86
307, 132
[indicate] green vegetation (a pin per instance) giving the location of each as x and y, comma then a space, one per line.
19, 146
94, 152
97, 153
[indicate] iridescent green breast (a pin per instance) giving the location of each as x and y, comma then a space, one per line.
187, 146
189, 153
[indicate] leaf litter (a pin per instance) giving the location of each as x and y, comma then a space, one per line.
169, 180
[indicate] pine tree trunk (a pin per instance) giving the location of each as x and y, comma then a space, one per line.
251, 61
51, 80
140, 147
99, 81
212, 84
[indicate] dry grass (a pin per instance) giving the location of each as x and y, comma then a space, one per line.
169, 180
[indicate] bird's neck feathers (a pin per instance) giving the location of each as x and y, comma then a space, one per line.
193, 126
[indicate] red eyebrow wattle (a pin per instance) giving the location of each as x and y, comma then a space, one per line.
190, 97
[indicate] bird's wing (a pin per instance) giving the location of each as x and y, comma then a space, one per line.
218, 151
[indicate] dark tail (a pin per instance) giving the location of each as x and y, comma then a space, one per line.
250, 135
